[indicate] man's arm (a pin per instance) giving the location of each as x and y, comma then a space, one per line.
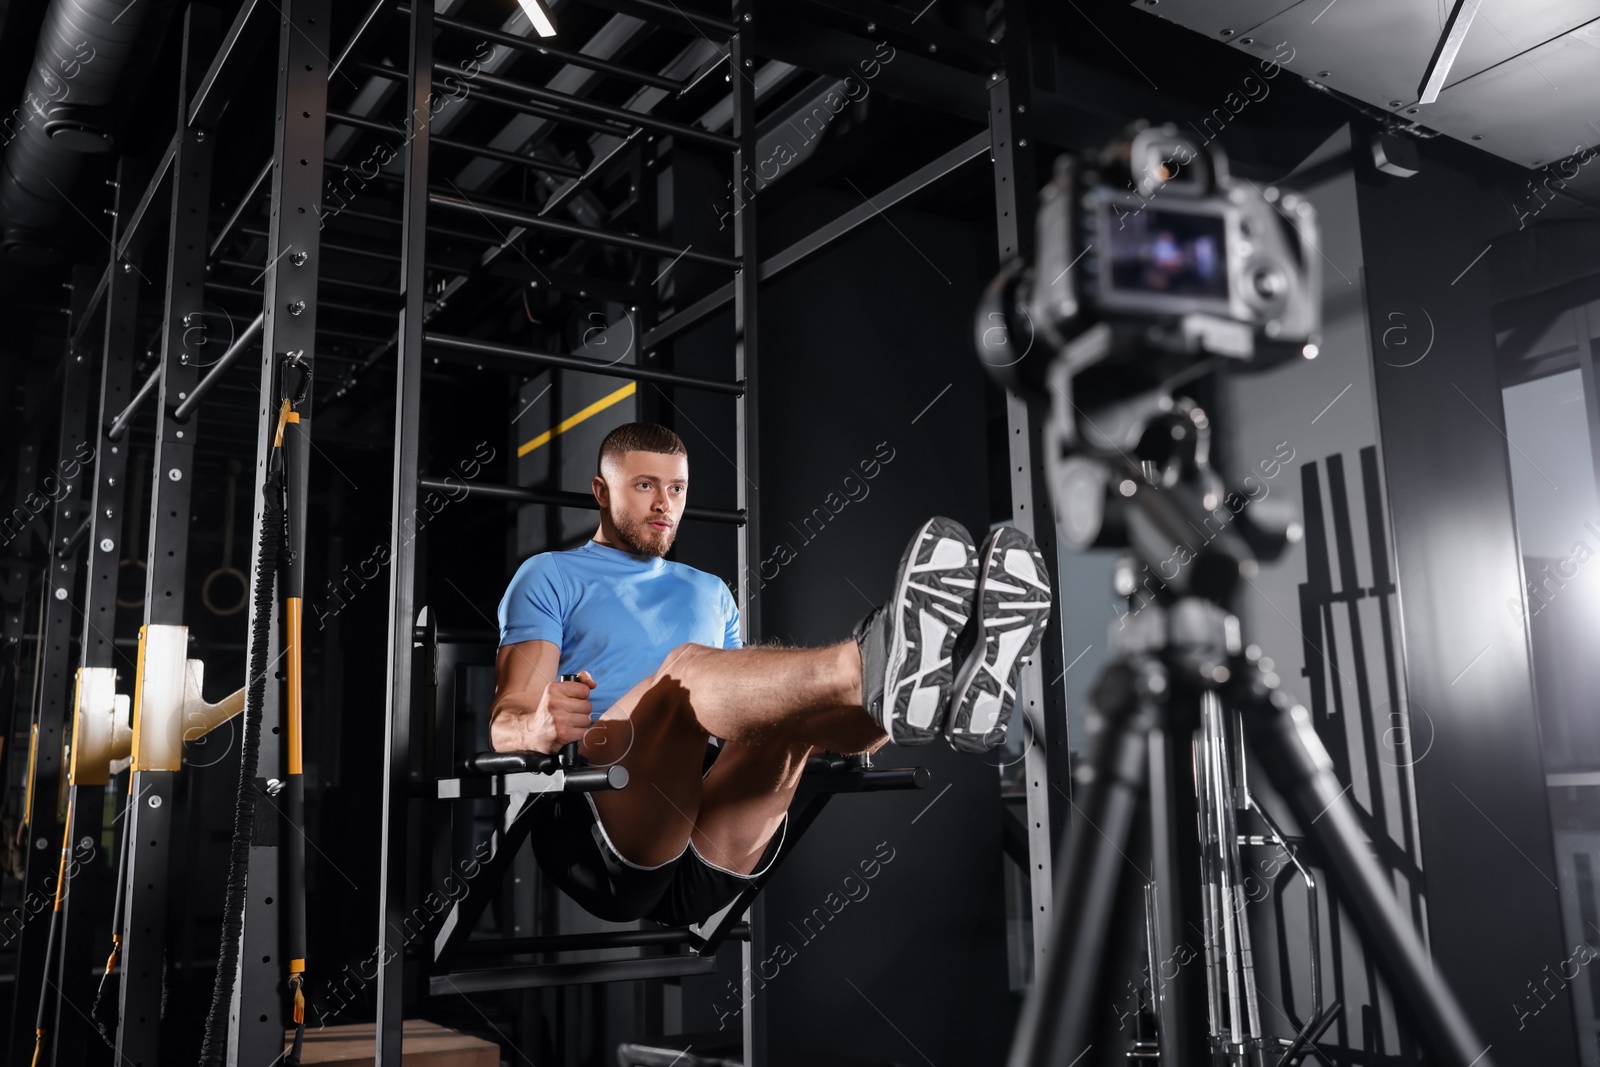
533, 712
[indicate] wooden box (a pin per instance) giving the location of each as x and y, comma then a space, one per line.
426, 1045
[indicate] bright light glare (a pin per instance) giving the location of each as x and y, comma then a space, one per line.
539, 17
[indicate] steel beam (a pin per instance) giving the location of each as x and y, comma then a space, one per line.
244, 39
548, 111
83, 905
52, 681
249, 197
149, 814
540, 47
470, 349
1043, 705
523, 495
493, 210
394, 863
120, 421
627, 117
746, 278
128, 248
483, 151
289, 323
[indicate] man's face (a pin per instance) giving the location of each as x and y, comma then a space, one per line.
644, 494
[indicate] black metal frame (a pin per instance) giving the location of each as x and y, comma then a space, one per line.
396, 856
151, 790
288, 328
85, 897
52, 707
183, 173
1046, 764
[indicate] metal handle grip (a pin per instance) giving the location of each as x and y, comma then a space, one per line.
569, 751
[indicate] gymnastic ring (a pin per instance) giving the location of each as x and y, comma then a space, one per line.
142, 566
244, 592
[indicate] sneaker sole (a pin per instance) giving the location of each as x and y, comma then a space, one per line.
1013, 609
933, 599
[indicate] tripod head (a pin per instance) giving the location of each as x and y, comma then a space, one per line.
1155, 270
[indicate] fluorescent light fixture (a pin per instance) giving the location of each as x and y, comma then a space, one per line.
535, 10
1444, 54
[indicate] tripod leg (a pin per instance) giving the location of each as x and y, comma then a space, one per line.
1223, 732
1216, 957
1059, 1014
1294, 758
1174, 853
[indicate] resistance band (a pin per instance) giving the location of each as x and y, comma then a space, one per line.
50, 941
295, 438
294, 385
108, 996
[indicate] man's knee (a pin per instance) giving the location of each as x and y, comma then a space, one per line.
680, 659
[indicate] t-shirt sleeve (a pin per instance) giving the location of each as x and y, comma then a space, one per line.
731, 638
536, 605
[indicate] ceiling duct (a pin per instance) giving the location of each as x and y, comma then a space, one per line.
86, 48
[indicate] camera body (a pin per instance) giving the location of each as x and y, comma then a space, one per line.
1156, 238
1153, 268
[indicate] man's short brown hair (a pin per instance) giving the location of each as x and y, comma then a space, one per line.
638, 437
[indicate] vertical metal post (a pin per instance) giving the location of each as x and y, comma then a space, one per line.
747, 456
84, 899
393, 866
16, 537
149, 813
52, 688
289, 297
1044, 703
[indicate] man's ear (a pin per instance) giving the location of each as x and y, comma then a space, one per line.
600, 489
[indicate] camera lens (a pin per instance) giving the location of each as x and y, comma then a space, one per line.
1268, 282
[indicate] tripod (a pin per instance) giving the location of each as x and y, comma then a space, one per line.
1181, 670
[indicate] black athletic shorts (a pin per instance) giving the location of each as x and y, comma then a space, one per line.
575, 852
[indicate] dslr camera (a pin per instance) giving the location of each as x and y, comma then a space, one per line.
1153, 268
1157, 240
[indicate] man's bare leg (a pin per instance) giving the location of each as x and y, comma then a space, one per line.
774, 707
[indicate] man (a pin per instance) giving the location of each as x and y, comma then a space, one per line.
658, 651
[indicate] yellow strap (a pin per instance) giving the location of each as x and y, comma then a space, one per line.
284, 411
292, 616
38, 1046
568, 423
116, 950
138, 699
61, 871
77, 712
294, 416
33, 759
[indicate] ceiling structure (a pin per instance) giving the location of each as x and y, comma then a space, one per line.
1524, 86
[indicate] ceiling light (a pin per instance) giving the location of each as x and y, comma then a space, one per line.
535, 10
1444, 53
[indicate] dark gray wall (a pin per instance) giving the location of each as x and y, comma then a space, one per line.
1485, 827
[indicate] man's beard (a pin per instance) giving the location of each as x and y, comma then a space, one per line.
642, 539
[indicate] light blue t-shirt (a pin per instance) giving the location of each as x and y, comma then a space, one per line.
614, 614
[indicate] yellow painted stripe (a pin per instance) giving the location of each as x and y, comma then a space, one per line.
573, 420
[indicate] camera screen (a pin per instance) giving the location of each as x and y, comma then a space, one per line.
1169, 252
